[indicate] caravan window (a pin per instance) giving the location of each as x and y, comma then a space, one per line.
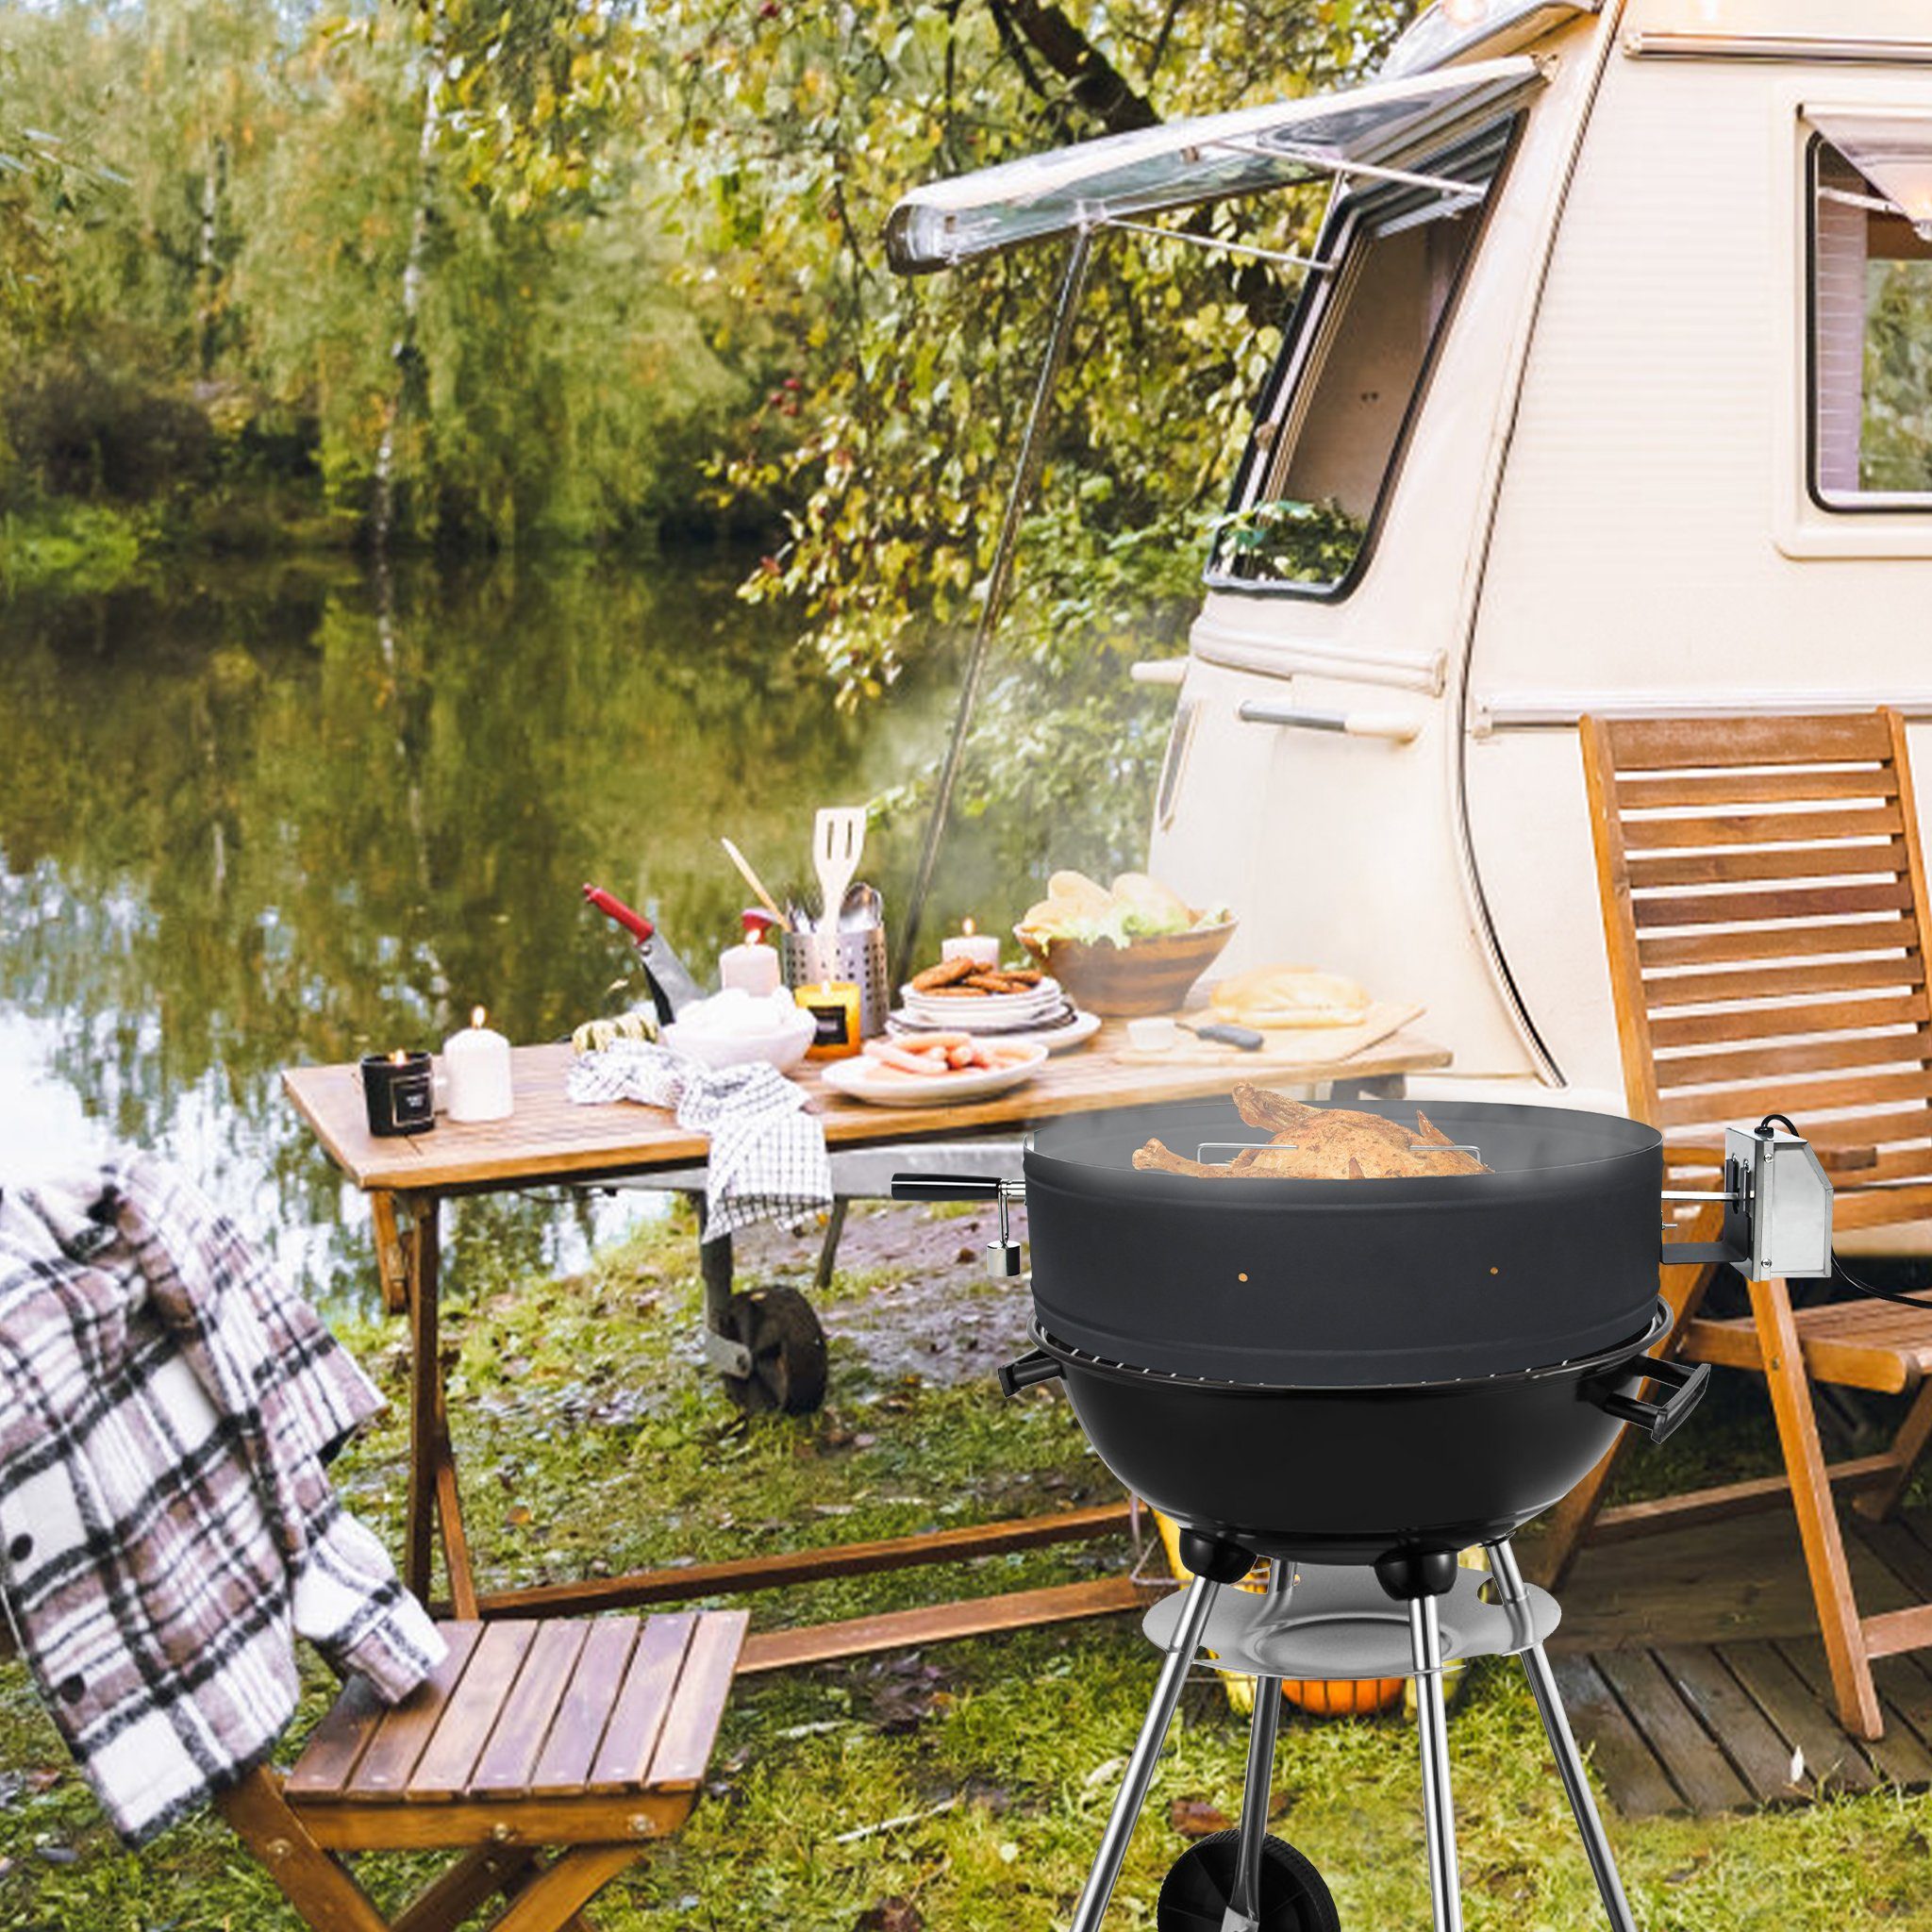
1870, 322
1349, 378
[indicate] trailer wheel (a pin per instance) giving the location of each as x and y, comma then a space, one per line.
1194, 1895
779, 1331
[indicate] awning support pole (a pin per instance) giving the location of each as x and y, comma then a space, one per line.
1025, 474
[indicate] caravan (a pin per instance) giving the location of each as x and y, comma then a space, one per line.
1609, 391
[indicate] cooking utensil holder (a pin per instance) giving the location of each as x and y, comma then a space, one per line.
808, 959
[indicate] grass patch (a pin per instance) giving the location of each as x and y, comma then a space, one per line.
592, 1440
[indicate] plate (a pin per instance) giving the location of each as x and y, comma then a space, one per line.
1035, 1019
1043, 996
1056, 1038
858, 1079
978, 1021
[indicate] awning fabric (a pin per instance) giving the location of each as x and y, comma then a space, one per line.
1185, 164
1894, 152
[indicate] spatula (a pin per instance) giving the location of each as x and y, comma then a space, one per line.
837, 839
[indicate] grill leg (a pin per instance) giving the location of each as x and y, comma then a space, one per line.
1146, 1753
1432, 1724
1542, 1683
1244, 1902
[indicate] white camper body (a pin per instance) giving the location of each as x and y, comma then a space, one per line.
1627, 479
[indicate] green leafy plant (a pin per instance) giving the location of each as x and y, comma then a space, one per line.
1286, 541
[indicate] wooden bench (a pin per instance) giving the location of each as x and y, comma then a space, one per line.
549, 1754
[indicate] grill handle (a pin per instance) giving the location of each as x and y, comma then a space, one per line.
941, 1187
1659, 1421
1038, 1366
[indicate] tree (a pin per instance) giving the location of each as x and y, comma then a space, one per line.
891, 407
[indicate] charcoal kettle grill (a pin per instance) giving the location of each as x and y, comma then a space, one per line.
1353, 1381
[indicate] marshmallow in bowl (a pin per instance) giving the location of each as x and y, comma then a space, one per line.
736, 1014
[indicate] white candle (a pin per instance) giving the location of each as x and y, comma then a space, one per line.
982, 948
752, 968
476, 1065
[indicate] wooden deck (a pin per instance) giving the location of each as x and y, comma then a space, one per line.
1692, 1670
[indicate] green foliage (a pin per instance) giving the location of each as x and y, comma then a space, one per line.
1897, 439
76, 550
401, 242
1284, 540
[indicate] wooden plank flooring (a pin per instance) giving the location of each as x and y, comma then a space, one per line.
1693, 1671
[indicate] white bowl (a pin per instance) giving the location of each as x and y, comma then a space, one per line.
783, 1046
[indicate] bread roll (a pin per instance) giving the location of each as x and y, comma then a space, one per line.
1083, 895
1284, 997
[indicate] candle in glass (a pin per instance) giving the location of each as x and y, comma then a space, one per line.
476, 1065
396, 1093
982, 948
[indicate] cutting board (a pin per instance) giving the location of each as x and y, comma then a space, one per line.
1283, 1046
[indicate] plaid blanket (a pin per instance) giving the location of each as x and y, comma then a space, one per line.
768, 1157
167, 1407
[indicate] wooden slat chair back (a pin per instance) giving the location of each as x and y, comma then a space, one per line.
1764, 907
549, 1756
1768, 937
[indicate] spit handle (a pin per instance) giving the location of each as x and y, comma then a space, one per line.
1038, 1366
943, 1187
1659, 1421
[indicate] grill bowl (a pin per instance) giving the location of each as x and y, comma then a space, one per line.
1343, 1475
1346, 1284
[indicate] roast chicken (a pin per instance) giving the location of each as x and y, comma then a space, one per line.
1321, 1143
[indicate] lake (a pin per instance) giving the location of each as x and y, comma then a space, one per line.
272, 816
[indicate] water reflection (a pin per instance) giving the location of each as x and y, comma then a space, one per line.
262, 821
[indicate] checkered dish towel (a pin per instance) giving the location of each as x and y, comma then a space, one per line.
768, 1156
167, 1407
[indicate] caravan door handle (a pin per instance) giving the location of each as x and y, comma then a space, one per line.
1392, 727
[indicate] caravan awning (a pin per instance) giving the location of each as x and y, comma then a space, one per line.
1370, 129
1894, 152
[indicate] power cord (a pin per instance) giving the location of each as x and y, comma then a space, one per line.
1878, 1294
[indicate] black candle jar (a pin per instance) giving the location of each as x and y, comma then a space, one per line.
397, 1090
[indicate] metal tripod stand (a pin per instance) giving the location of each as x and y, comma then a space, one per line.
1412, 1614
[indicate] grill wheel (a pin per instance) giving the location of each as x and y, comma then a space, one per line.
787, 1352
1195, 1894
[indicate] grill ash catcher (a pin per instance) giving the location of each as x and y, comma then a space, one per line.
1351, 1382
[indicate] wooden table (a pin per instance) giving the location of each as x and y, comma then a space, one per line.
549, 1139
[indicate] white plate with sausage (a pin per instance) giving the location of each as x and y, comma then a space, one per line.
903, 1072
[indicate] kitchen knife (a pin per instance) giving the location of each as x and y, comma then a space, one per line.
672, 989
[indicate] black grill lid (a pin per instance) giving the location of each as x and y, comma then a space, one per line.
1341, 1284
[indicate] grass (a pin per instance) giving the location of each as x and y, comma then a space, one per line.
593, 1439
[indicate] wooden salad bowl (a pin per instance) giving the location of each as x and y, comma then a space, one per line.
1150, 975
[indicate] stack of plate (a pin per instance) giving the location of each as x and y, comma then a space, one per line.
984, 1012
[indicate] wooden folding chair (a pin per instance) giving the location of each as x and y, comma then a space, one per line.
1764, 902
548, 1755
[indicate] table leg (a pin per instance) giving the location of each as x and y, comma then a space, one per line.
391, 1256
435, 1505
828, 1248
716, 1265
